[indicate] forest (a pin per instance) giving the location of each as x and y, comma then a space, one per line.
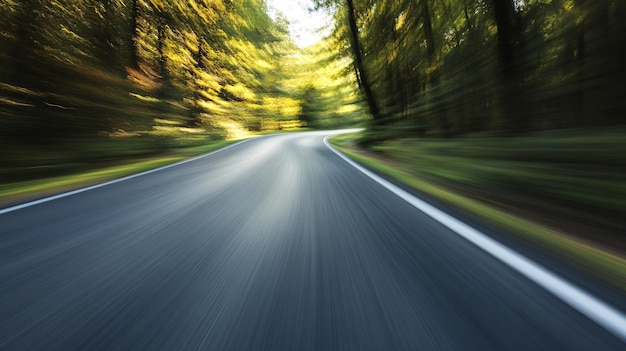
95, 80
139, 210
77, 76
451, 67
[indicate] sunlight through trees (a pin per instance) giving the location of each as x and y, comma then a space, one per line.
171, 71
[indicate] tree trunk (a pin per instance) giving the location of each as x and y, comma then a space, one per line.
161, 37
509, 74
580, 75
439, 107
503, 11
104, 35
428, 29
194, 112
24, 48
134, 35
359, 65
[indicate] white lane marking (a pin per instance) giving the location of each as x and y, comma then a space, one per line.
96, 186
603, 314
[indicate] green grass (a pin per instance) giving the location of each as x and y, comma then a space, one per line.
580, 171
452, 161
76, 178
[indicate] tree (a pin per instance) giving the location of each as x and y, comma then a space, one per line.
509, 33
133, 35
361, 71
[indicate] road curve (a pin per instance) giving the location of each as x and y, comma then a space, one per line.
273, 244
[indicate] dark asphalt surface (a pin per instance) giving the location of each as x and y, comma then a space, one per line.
273, 244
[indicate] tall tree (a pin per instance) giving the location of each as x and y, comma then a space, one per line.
360, 69
133, 34
509, 32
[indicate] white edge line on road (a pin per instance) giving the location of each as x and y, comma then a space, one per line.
96, 186
603, 314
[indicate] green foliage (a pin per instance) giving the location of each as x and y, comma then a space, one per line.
76, 72
310, 109
451, 67
573, 168
326, 90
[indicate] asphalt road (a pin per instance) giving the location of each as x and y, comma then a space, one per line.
273, 244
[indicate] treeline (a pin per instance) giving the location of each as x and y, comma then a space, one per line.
328, 93
76, 69
452, 67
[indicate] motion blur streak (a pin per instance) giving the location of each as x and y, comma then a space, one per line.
273, 244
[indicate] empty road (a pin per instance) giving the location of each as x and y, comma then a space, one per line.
275, 243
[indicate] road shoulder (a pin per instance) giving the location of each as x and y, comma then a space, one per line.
584, 257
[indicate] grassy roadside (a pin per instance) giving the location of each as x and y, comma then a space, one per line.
19, 191
399, 164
